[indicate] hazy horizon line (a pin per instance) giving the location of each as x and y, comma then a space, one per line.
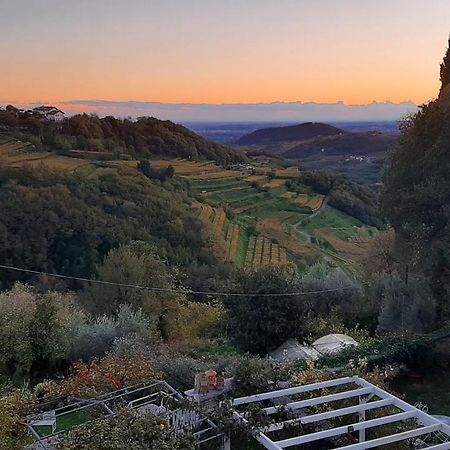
276, 111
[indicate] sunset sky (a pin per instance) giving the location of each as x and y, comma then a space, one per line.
222, 51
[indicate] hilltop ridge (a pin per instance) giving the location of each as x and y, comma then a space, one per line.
360, 155
308, 130
140, 138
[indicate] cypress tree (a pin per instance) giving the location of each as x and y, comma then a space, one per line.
445, 68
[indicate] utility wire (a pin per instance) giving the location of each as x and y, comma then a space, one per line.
174, 290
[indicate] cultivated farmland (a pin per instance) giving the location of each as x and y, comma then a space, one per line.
252, 219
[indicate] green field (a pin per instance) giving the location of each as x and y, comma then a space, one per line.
253, 204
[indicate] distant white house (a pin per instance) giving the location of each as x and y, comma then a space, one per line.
50, 113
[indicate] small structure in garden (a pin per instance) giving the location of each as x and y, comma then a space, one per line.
292, 420
207, 386
333, 343
292, 350
208, 381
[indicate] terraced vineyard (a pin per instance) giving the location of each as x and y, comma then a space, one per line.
253, 219
277, 225
261, 252
314, 202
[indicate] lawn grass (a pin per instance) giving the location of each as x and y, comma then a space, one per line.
87, 170
241, 252
234, 194
212, 186
67, 421
433, 390
331, 218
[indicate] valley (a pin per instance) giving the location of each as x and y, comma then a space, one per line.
359, 155
251, 217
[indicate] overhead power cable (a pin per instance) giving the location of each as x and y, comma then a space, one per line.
174, 290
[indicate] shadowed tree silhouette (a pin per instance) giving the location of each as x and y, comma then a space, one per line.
445, 68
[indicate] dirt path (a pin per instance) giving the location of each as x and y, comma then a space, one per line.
314, 214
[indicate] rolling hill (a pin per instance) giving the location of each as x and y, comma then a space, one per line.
274, 135
111, 137
317, 145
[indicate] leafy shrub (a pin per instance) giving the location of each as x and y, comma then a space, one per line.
253, 375
406, 349
102, 375
96, 336
13, 433
260, 323
405, 307
128, 429
198, 320
36, 331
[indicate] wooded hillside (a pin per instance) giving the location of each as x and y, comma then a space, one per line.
142, 138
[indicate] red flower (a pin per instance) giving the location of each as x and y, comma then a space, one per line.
117, 383
90, 381
80, 375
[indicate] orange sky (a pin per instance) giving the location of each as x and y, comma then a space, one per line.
222, 51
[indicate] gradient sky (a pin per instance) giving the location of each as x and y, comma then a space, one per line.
222, 51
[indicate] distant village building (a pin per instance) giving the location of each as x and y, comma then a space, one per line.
243, 168
50, 113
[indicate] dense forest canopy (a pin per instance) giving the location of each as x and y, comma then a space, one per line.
141, 138
66, 223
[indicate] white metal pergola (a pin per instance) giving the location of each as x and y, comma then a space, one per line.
368, 398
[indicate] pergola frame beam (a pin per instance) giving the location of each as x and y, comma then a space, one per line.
331, 414
443, 446
311, 437
292, 391
393, 438
366, 391
319, 400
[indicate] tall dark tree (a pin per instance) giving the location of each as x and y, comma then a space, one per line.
416, 197
445, 68
259, 323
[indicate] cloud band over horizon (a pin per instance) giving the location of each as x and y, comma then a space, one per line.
240, 112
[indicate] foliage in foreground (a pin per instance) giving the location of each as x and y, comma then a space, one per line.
129, 429
13, 434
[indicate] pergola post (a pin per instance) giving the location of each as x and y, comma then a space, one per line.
362, 418
226, 444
